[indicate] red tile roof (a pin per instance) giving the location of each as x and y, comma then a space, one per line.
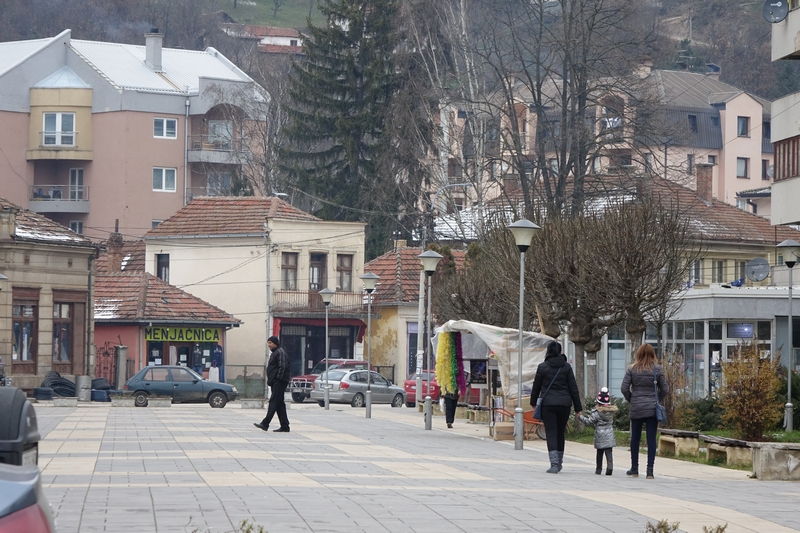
33, 227
129, 259
399, 274
270, 31
226, 215
142, 297
280, 49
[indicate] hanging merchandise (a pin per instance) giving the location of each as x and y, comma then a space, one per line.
450, 364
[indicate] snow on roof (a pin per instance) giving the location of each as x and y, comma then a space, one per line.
106, 308
64, 77
29, 233
15, 52
124, 65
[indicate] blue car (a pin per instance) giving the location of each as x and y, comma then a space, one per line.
180, 383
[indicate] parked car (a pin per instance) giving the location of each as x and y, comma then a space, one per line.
180, 383
350, 386
410, 388
23, 506
301, 386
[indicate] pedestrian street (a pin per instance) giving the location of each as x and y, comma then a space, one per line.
191, 468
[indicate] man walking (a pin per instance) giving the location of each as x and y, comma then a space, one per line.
278, 380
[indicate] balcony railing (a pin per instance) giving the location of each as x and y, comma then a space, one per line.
215, 143
194, 192
310, 301
58, 198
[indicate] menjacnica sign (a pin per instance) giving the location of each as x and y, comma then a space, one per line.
176, 334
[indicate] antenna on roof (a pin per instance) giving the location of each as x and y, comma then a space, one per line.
775, 11
756, 269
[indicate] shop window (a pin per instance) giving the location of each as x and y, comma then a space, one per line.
62, 332
289, 271
24, 316
162, 267
740, 330
344, 273
715, 330
764, 330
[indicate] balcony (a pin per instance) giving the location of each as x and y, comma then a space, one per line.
58, 199
309, 304
216, 149
784, 36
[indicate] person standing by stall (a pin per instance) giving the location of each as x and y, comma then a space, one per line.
278, 380
555, 375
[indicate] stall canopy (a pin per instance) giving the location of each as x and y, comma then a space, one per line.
501, 344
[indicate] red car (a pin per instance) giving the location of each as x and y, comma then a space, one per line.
301, 386
410, 386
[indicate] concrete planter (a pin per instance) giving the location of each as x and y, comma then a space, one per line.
122, 401
159, 402
65, 402
776, 460
252, 403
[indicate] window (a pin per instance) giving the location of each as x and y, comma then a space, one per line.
154, 223
59, 129
76, 190
690, 163
24, 315
62, 332
743, 167
289, 271
766, 170
453, 167
715, 121
162, 267
648, 162
344, 273
718, 271
552, 164
220, 134
182, 375
740, 266
219, 184
157, 374
743, 126
712, 159
766, 130
165, 128
292, 42
696, 272
316, 272
693, 123
76, 226
164, 179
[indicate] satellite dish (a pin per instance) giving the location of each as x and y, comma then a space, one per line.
756, 269
775, 10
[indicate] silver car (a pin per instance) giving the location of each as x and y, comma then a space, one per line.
350, 386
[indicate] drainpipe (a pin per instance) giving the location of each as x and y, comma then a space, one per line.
186, 150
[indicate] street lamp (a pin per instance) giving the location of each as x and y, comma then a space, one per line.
429, 260
523, 231
327, 296
370, 280
790, 249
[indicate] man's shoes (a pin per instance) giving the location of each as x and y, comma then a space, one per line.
449, 425
260, 426
281, 430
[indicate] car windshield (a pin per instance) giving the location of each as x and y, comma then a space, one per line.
333, 375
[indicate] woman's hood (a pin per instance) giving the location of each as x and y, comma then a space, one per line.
556, 360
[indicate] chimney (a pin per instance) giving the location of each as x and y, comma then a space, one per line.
703, 171
643, 69
114, 249
400, 243
8, 222
153, 42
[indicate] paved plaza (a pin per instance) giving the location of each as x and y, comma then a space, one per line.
196, 469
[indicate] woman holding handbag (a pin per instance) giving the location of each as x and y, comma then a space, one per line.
644, 387
555, 391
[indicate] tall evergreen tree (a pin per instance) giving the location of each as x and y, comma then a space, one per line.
336, 143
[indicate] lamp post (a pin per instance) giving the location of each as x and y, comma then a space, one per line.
327, 296
523, 231
429, 260
790, 249
370, 280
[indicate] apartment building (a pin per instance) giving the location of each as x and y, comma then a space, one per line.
96, 132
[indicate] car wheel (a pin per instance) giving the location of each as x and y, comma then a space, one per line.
321, 403
358, 400
298, 397
410, 404
397, 401
540, 432
140, 399
217, 400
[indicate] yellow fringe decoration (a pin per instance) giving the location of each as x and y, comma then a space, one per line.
445, 363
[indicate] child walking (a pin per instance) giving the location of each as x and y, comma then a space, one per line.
602, 418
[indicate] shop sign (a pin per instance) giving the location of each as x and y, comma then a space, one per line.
177, 334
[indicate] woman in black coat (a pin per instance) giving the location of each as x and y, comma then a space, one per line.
639, 386
555, 380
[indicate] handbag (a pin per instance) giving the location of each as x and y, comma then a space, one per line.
661, 411
537, 413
